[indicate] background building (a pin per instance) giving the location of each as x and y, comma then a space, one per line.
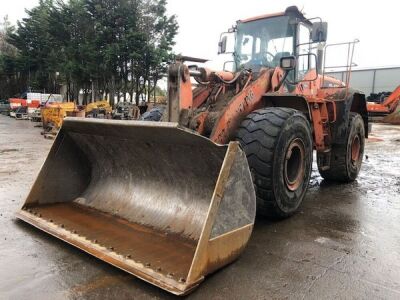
372, 80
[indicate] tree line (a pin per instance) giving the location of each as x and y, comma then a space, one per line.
109, 48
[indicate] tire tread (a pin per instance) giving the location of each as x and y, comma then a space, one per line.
258, 134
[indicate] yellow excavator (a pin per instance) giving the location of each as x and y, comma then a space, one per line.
98, 109
53, 114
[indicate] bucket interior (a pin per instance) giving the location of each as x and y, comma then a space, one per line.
139, 190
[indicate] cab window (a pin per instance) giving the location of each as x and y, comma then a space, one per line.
304, 61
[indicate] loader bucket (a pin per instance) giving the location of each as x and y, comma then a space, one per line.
156, 200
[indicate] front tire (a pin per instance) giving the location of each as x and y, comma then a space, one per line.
278, 145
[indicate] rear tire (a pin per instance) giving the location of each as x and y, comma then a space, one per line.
278, 145
346, 159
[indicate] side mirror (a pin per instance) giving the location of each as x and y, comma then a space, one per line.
288, 63
222, 44
319, 32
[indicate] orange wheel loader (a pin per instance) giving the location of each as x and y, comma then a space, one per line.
175, 200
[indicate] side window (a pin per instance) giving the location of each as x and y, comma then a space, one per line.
257, 46
247, 48
304, 61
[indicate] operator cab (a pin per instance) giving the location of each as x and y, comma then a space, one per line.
262, 42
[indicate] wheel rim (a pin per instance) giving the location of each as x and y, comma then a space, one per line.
355, 149
294, 165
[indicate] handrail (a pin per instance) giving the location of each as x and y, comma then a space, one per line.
349, 62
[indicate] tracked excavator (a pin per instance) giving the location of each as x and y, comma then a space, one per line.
175, 200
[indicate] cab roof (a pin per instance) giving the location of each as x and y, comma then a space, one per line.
290, 11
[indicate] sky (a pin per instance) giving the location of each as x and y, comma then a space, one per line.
374, 23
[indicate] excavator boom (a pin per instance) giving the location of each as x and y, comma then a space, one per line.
386, 107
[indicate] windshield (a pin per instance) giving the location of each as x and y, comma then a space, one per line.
262, 43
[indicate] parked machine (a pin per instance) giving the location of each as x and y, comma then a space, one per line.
98, 109
387, 106
173, 201
126, 111
53, 114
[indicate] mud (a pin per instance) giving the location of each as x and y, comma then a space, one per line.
343, 243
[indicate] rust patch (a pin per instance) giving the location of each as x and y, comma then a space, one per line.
161, 252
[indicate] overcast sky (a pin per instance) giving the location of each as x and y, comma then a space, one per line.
202, 21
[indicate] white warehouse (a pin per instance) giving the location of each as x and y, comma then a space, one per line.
372, 80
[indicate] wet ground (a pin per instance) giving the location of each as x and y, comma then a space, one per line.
343, 243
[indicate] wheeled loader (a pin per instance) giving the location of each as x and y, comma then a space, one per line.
175, 200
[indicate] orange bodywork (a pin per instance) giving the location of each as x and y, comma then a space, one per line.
322, 110
388, 106
200, 95
186, 90
222, 100
264, 16
240, 106
217, 108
